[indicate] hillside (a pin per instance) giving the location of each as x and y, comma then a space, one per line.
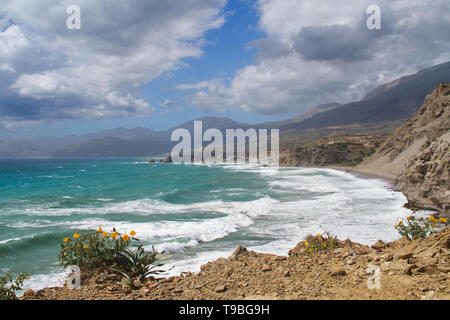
300, 117
418, 155
332, 151
397, 100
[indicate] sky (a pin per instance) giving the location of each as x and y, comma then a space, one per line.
158, 63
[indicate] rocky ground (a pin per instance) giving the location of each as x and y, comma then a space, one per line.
416, 269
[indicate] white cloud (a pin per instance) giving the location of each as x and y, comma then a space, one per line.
321, 52
12, 40
98, 71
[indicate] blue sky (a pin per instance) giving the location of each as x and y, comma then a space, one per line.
158, 64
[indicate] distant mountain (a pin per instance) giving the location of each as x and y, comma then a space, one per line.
385, 107
397, 100
139, 142
300, 117
37, 147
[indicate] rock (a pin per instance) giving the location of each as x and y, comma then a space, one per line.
220, 289
266, 268
408, 268
240, 251
152, 285
177, 291
144, 291
428, 269
28, 293
404, 255
444, 269
338, 272
379, 245
137, 283
388, 257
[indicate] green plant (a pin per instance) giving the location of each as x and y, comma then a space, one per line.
93, 250
414, 228
320, 242
9, 285
137, 264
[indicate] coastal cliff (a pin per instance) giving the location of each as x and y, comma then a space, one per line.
417, 155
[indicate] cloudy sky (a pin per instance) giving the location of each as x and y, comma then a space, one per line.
158, 63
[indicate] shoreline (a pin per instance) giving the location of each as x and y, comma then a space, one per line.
341, 168
365, 174
409, 270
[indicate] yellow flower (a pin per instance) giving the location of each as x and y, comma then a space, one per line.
66, 239
324, 244
396, 226
125, 237
306, 243
435, 221
310, 250
400, 222
443, 220
114, 235
408, 218
431, 218
105, 234
85, 246
99, 229
319, 235
133, 233
76, 235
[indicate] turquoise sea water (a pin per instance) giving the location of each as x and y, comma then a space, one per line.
196, 212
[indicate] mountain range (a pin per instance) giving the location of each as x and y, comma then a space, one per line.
393, 102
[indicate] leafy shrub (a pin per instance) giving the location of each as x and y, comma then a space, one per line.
320, 242
137, 264
94, 250
9, 286
414, 228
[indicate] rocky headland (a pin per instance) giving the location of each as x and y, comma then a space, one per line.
417, 155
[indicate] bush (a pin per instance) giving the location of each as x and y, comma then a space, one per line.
110, 251
414, 228
94, 250
136, 265
8, 287
320, 242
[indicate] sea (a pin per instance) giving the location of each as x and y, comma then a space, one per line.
197, 213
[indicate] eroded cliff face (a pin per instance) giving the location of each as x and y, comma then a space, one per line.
426, 178
417, 154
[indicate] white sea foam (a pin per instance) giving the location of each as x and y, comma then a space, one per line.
309, 201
